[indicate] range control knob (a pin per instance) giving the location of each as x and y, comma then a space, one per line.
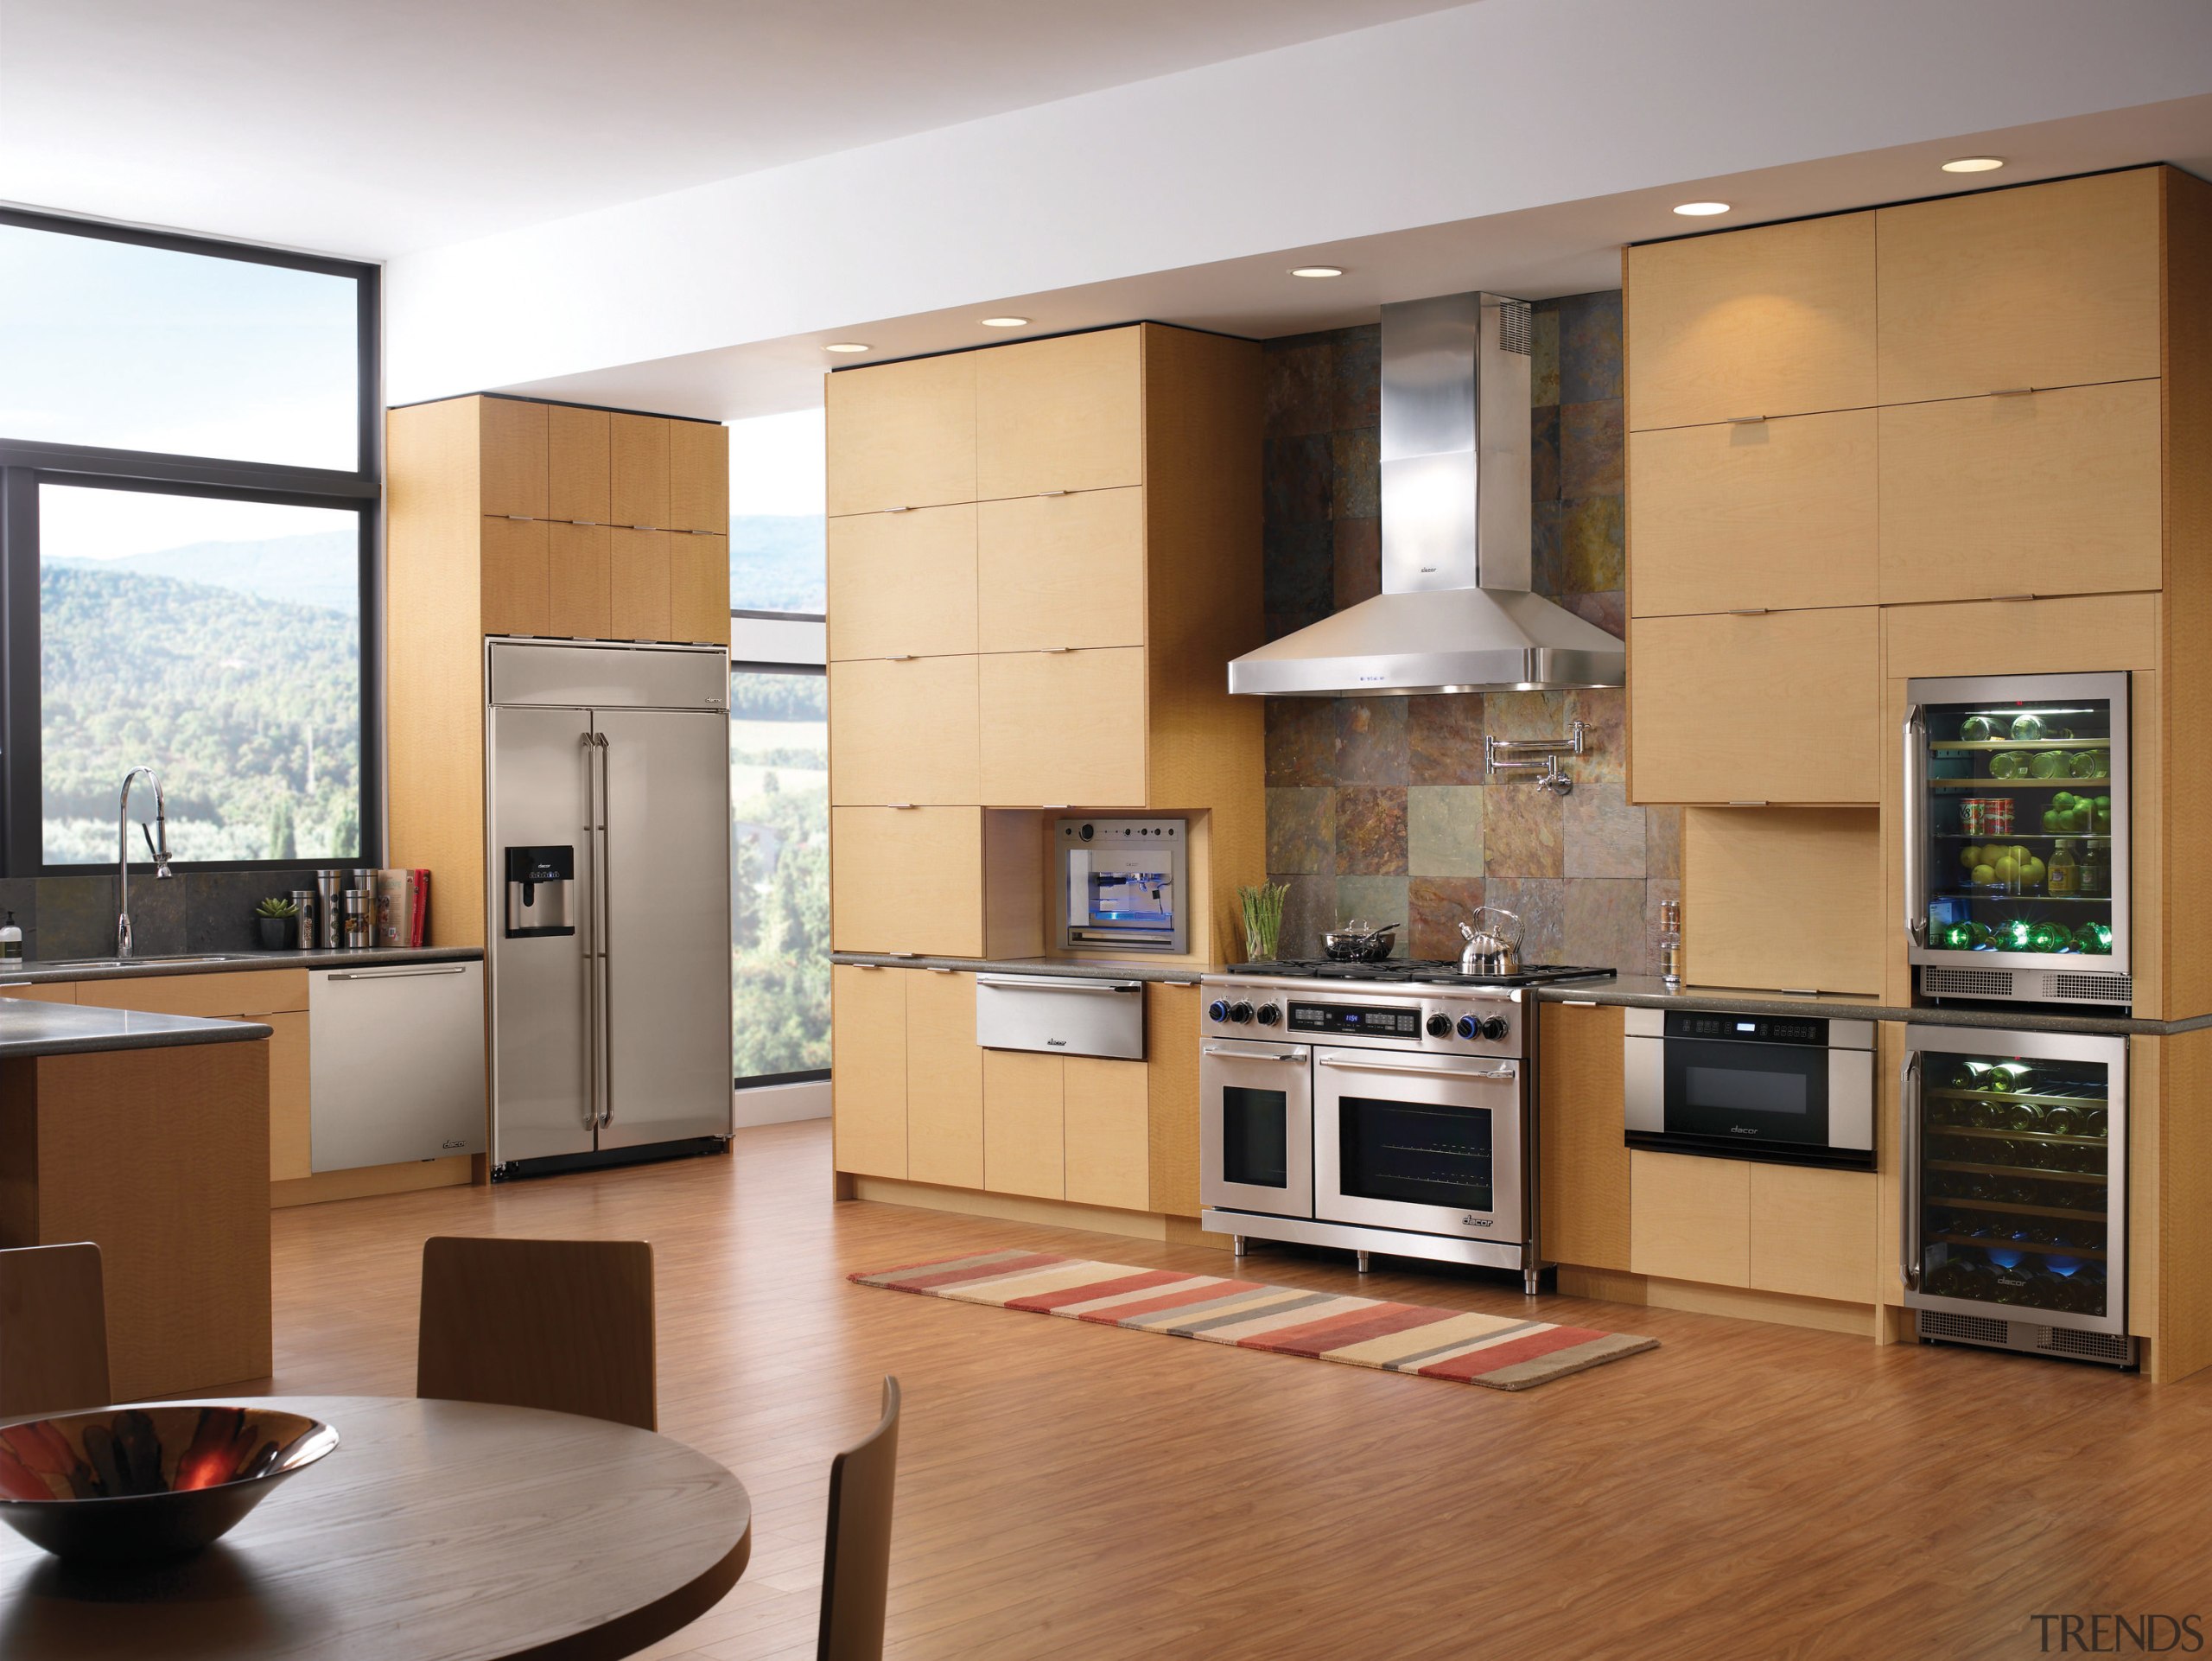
1217, 1010
1240, 1012
1439, 1026
1469, 1027
1495, 1029
1269, 1014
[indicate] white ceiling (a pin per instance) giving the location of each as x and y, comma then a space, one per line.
372, 129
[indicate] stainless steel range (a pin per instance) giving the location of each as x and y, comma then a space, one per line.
1377, 1107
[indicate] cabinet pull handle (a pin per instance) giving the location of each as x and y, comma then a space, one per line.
524, 517
900, 807
1055, 650
898, 510
938, 969
1748, 611
1745, 421
2011, 596
900, 657
1746, 804
587, 523
2011, 391
1580, 1003
396, 974
1051, 492
641, 527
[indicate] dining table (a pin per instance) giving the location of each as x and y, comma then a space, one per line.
436, 1532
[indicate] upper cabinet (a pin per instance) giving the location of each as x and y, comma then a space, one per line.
1774, 321
903, 585
1054, 572
1060, 415
902, 435
2044, 285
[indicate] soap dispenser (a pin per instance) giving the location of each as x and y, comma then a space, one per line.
11, 937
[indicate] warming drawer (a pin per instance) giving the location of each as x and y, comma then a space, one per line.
1061, 1015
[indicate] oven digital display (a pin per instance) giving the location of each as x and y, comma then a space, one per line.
1340, 1018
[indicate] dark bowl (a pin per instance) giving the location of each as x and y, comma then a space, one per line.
129, 1484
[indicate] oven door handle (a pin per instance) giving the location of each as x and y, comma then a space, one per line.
1251, 1056
1510, 1070
1056, 983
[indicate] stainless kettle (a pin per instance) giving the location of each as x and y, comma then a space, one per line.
1495, 948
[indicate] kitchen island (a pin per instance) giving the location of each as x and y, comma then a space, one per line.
147, 1135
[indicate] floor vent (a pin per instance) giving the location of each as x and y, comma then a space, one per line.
1967, 983
2100, 988
2112, 1349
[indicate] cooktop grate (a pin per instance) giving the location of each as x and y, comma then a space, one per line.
1406, 971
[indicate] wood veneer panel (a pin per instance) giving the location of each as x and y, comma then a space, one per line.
867, 1076
904, 732
513, 434
579, 460
876, 904
1171, 1058
2183, 1199
518, 596
2065, 635
639, 587
698, 589
944, 1081
637, 471
1063, 728
903, 584
1812, 1231
225, 994
1584, 1164
1060, 414
698, 477
901, 434
1777, 320
52, 1330
2043, 285
1060, 571
580, 561
1105, 1127
1024, 1145
44, 992
290, 1133
1690, 1218
1783, 897
2184, 661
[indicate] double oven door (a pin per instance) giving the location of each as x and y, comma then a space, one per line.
1378, 1137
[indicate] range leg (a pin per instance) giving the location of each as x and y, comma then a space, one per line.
1235, 1245
1359, 1264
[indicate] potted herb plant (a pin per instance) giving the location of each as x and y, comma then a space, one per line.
274, 919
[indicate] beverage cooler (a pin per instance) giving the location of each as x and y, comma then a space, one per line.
2016, 838
2013, 1222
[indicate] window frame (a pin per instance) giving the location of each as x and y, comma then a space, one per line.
25, 464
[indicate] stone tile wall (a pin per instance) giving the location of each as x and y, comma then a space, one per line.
1377, 807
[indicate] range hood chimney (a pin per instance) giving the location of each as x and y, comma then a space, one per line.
1456, 612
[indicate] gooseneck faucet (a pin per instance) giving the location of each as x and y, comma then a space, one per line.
157, 846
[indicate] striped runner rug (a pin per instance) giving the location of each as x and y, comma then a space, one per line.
1497, 1352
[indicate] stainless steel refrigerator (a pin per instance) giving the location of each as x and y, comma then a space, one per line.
607, 890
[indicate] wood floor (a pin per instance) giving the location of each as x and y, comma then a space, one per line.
1074, 1492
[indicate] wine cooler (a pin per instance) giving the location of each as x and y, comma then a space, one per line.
2016, 838
2013, 1217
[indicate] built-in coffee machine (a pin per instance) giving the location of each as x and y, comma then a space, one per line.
1119, 884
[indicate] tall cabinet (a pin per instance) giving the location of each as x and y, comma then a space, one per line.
514, 516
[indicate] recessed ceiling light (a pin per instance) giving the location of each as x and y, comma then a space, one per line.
1974, 164
1006, 322
845, 345
1700, 210
1317, 271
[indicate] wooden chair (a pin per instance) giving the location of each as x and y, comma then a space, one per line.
856, 1559
561, 1324
52, 1330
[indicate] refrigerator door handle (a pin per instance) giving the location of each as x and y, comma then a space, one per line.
1909, 1248
1916, 912
591, 931
603, 958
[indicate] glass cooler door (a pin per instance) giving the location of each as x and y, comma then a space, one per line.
2016, 822
2015, 1174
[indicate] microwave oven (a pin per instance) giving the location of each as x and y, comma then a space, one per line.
1797, 1089
1119, 884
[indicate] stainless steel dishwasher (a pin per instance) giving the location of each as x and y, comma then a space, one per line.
395, 1064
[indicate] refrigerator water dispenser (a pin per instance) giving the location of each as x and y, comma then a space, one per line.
541, 886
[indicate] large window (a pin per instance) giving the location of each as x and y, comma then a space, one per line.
779, 751
188, 478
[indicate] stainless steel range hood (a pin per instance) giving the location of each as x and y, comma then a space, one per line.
1456, 614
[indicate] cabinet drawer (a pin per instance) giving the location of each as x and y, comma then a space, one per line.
2077, 634
903, 584
1060, 571
902, 435
906, 880
1773, 513
699, 476
40, 991
903, 732
1785, 707
637, 585
580, 559
1024, 1141
944, 1081
516, 595
1104, 1110
1778, 319
1063, 728
1784, 896
868, 1070
2052, 493
1064, 414
1690, 1218
222, 995
698, 589
2047, 285
1813, 1232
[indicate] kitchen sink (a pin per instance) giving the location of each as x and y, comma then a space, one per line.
148, 961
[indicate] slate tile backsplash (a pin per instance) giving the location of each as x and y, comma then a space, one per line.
1377, 807
64, 917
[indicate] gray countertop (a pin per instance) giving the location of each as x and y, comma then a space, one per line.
32, 971
1644, 991
29, 1028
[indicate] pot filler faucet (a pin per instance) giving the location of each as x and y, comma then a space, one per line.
159, 848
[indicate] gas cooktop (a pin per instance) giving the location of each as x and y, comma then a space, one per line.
1408, 971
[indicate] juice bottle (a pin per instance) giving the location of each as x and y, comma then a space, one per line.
2063, 876
2096, 867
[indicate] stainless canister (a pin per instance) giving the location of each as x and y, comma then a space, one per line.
360, 918
328, 886
306, 928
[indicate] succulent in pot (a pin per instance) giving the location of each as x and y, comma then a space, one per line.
275, 919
